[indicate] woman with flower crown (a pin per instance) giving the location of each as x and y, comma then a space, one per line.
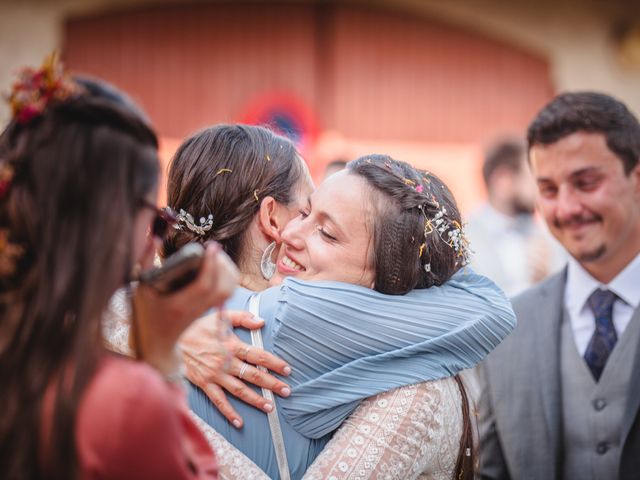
428, 334
78, 181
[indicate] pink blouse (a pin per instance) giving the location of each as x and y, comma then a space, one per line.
133, 424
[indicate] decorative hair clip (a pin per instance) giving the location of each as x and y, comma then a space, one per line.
185, 218
36, 89
450, 232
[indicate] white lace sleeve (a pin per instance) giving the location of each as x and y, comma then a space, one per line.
407, 433
232, 464
116, 323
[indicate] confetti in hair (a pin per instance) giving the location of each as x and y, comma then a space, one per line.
222, 170
255, 195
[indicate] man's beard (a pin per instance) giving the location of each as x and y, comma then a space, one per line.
593, 255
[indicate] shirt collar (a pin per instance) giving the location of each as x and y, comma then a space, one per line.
580, 285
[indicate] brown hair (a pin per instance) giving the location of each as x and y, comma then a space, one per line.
225, 171
82, 169
404, 198
509, 154
589, 112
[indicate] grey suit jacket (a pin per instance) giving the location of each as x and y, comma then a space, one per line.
520, 405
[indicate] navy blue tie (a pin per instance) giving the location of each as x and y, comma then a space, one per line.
604, 338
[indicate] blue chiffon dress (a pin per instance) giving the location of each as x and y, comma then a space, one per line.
346, 343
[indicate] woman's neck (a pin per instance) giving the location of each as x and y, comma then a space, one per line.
249, 265
252, 281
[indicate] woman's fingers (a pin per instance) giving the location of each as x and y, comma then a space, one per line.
219, 399
235, 387
257, 356
242, 319
251, 374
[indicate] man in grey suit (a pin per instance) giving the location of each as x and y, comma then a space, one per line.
560, 396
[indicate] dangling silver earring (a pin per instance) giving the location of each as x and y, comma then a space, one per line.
267, 267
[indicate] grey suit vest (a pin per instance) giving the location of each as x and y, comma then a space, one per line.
592, 412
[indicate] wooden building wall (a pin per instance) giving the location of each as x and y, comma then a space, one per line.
367, 73
381, 78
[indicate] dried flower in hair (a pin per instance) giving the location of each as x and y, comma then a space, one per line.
419, 188
449, 231
35, 89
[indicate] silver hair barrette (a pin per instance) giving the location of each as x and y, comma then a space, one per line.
185, 218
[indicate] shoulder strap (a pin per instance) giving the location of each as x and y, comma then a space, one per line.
274, 420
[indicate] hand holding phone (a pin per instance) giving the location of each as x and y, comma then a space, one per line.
201, 279
178, 270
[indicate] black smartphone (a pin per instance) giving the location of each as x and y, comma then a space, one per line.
178, 270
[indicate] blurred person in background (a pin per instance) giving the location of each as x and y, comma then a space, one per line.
334, 166
78, 185
561, 395
508, 244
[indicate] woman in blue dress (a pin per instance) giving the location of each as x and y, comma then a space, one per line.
398, 232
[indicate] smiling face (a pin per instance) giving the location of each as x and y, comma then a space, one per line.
590, 205
331, 237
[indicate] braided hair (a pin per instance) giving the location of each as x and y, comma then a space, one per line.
407, 201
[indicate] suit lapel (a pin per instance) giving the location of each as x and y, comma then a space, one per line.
549, 320
633, 402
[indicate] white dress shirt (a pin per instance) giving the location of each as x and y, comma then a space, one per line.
503, 248
580, 285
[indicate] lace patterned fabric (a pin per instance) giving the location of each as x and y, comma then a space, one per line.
116, 323
411, 432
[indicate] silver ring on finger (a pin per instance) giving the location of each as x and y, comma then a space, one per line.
243, 370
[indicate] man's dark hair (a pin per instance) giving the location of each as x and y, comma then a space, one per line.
504, 154
589, 112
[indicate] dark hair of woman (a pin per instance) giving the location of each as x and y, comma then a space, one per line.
225, 171
410, 200
81, 170
407, 205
